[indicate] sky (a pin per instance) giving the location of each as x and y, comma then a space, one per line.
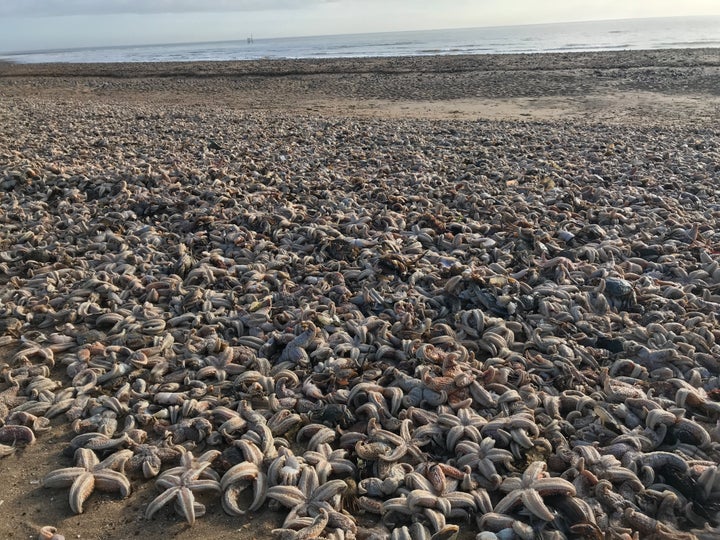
27, 25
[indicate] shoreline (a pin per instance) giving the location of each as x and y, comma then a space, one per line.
693, 57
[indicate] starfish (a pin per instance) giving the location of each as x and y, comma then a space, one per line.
148, 459
8, 399
318, 434
220, 367
234, 482
284, 469
484, 457
424, 495
189, 462
307, 532
530, 489
604, 467
404, 443
16, 434
328, 461
88, 474
309, 497
419, 499
181, 482
465, 424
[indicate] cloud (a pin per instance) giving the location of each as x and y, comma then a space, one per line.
51, 8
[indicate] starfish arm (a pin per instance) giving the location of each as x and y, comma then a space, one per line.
454, 435
316, 527
343, 466
288, 496
109, 480
335, 455
203, 485
534, 503
554, 486
498, 455
460, 499
251, 452
405, 429
509, 484
324, 470
86, 458
167, 481
473, 433
260, 488
325, 435
507, 503
80, 490
384, 435
151, 467
115, 461
230, 500
534, 471
285, 533
62, 477
448, 420
186, 503
161, 500
396, 454
309, 481
174, 471
314, 457
244, 470
420, 498
329, 490
435, 518
397, 504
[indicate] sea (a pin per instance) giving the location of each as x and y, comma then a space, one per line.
611, 35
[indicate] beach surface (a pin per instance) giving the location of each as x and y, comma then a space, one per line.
639, 87
624, 141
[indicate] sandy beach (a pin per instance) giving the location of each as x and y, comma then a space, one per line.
423, 193
639, 87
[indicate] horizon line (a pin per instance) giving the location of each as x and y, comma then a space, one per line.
204, 42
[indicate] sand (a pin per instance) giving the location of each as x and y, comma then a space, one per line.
639, 87
671, 91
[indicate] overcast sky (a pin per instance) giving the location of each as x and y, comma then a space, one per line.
51, 24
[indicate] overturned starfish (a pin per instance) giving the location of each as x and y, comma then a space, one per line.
88, 474
181, 482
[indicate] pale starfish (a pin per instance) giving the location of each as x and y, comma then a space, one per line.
530, 489
236, 480
464, 424
483, 457
308, 498
403, 444
148, 458
180, 483
88, 474
189, 462
328, 461
220, 367
285, 469
8, 399
307, 532
606, 467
